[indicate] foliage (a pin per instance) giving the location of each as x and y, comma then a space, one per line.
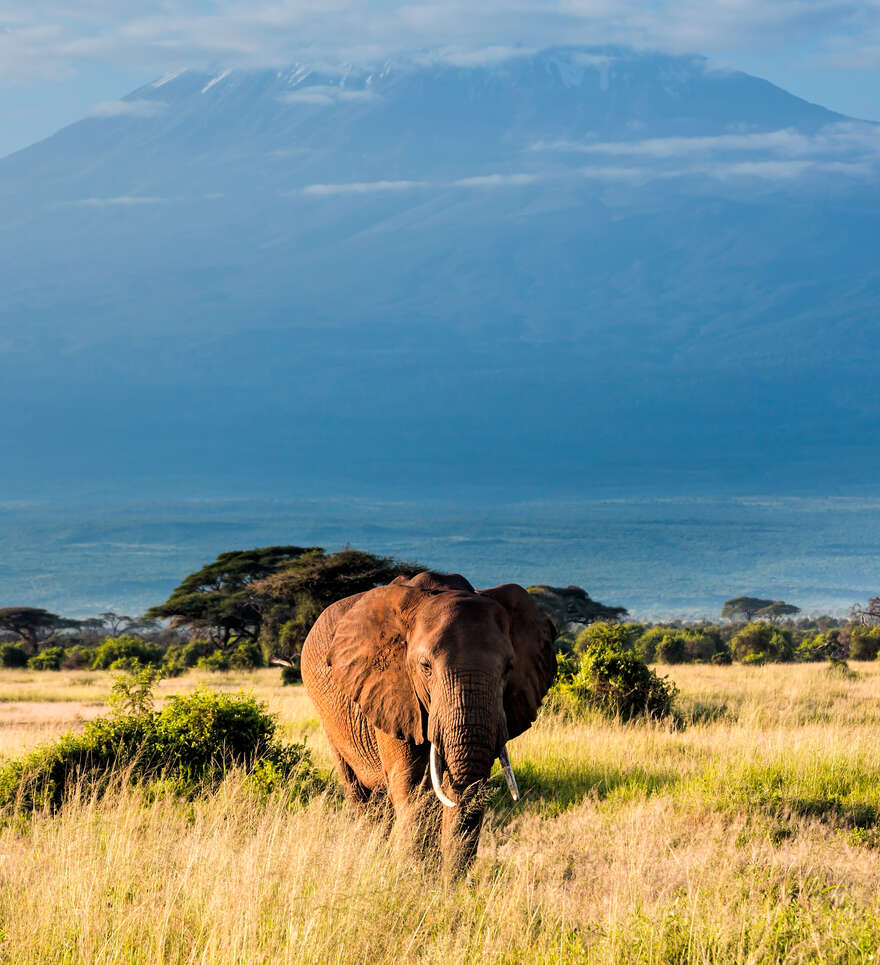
864, 642
31, 624
181, 657
78, 657
127, 648
572, 604
289, 676
12, 655
762, 640
132, 693
750, 607
841, 669
614, 636
48, 659
189, 745
218, 600
291, 599
215, 661
612, 680
666, 644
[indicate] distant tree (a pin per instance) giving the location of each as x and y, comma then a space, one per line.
776, 610
744, 606
572, 604
292, 598
218, 600
868, 615
32, 625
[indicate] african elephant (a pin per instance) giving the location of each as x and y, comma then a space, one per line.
420, 684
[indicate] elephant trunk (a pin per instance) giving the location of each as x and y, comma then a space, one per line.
463, 731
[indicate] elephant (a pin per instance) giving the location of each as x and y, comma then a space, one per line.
419, 685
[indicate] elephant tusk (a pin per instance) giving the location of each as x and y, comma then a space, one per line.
509, 776
435, 780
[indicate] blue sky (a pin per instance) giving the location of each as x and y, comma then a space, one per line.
59, 59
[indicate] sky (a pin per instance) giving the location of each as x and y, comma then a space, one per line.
59, 59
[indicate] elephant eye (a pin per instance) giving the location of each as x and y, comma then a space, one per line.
426, 666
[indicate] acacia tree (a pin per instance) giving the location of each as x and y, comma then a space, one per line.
572, 604
868, 615
291, 599
32, 624
217, 599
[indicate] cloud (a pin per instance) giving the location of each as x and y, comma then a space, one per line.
133, 108
124, 200
50, 38
358, 187
834, 139
495, 180
325, 95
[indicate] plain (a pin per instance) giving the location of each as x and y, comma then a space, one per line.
749, 831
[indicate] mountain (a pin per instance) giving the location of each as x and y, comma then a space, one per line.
536, 271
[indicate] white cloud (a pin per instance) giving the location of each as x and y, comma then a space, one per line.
358, 187
134, 108
325, 95
48, 38
834, 139
124, 200
495, 180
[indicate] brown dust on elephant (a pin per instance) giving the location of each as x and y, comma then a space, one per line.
420, 685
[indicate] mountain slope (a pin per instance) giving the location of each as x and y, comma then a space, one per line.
568, 266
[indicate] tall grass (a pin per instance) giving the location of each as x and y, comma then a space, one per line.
750, 835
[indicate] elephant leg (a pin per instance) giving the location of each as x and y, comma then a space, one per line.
416, 809
356, 792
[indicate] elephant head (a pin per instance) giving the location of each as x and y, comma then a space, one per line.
431, 659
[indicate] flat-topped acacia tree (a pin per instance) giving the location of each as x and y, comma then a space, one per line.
754, 607
32, 624
217, 599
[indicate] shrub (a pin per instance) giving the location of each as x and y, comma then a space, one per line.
609, 636
189, 745
864, 642
613, 681
762, 640
12, 655
78, 657
181, 657
214, 661
672, 647
246, 656
127, 648
290, 675
48, 659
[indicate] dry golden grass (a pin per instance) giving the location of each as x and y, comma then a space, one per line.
750, 835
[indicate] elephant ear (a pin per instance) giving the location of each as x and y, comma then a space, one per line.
367, 660
532, 634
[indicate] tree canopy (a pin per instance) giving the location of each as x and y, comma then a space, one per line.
753, 607
572, 604
32, 624
218, 600
292, 598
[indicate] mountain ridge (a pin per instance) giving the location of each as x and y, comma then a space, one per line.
463, 251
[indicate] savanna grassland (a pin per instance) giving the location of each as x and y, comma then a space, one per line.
749, 832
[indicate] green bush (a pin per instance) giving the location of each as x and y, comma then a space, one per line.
48, 659
609, 636
762, 640
127, 648
612, 681
216, 660
12, 655
290, 675
78, 657
672, 647
864, 642
181, 657
189, 745
246, 656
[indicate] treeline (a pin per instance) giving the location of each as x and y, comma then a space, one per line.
755, 642
249, 608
